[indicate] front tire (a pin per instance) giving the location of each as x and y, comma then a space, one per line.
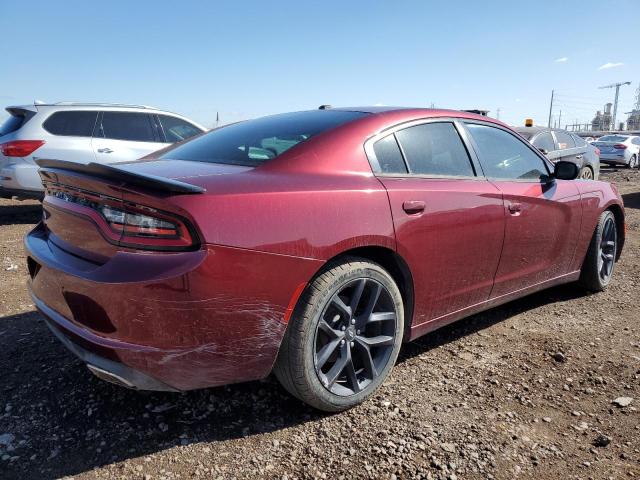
344, 336
599, 263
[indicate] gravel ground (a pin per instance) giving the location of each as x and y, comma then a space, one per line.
538, 388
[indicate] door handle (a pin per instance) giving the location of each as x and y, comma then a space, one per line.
578, 157
413, 207
105, 150
515, 208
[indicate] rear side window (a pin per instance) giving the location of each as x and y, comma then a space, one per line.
77, 124
636, 141
504, 156
565, 140
579, 140
176, 129
389, 156
545, 142
435, 149
15, 121
254, 142
131, 126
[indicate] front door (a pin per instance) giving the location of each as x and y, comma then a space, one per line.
449, 221
542, 215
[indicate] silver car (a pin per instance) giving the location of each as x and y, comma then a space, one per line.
83, 133
558, 144
619, 149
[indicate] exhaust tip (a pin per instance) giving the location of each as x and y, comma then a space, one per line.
110, 377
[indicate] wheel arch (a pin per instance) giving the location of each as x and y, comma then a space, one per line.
393, 263
618, 214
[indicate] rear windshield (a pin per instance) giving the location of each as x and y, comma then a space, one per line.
254, 142
13, 123
612, 138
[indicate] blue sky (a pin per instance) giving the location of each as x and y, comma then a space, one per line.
246, 59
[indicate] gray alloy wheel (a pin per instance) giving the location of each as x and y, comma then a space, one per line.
344, 336
599, 263
633, 161
586, 173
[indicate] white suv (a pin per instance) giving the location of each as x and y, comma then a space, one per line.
83, 133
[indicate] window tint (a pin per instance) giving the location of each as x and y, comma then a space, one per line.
544, 141
504, 156
77, 124
253, 142
389, 156
176, 129
435, 149
565, 140
127, 126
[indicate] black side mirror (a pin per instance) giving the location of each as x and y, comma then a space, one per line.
565, 170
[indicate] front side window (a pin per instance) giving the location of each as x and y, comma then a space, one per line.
176, 129
130, 126
565, 140
545, 142
75, 124
435, 149
254, 142
504, 156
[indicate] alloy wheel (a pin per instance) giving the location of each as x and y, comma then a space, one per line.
586, 174
607, 250
355, 336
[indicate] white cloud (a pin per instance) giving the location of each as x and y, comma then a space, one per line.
562, 60
610, 65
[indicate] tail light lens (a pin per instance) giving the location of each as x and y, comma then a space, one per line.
20, 148
598, 151
620, 146
132, 225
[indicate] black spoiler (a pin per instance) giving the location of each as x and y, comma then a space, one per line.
112, 173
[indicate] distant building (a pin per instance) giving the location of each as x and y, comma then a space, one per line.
602, 121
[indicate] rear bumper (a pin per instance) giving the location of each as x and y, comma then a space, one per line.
176, 321
103, 368
618, 159
21, 177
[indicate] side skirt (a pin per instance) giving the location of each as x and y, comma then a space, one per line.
434, 324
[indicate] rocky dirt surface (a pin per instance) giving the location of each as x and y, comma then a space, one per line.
545, 387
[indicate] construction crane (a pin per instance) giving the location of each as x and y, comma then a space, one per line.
615, 102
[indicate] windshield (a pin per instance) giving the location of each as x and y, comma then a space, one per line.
612, 138
254, 142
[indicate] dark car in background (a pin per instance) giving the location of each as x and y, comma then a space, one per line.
559, 144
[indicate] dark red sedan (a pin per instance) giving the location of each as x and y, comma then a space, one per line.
307, 244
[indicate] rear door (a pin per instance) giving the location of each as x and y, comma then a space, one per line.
542, 217
448, 219
568, 149
70, 135
124, 136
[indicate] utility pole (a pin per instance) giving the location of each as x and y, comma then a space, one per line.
615, 102
560, 120
550, 109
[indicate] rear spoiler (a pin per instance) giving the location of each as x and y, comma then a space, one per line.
108, 172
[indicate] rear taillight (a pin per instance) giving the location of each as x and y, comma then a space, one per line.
620, 146
598, 151
20, 148
132, 225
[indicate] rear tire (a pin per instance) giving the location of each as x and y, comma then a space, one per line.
586, 173
344, 336
633, 162
599, 263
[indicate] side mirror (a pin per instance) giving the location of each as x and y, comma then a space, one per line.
542, 150
565, 170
